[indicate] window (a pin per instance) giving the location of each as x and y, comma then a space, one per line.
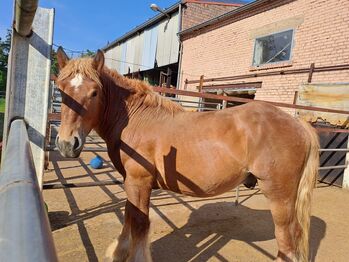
273, 48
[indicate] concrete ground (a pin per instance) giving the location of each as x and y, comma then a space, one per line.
85, 220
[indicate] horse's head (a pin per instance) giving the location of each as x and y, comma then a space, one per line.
81, 89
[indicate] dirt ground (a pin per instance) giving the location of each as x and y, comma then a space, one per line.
85, 220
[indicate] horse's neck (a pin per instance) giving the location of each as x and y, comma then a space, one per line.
120, 110
128, 112
114, 113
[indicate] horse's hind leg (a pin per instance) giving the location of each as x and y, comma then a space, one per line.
282, 206
286, 229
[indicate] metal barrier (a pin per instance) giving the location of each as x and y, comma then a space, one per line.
25, 233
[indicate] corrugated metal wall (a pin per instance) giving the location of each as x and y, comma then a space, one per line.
149, 47
168, 45
157, 43
111, 58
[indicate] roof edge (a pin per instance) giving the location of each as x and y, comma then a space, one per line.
208, 2
138, 28
225, 16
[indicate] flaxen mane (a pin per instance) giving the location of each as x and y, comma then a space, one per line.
81, 66
140, 89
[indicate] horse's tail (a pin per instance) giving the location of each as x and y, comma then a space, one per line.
304, 194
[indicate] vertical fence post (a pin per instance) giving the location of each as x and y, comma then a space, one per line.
345, 183
224, 102
168, 77
27, 91
201, 83
186, 84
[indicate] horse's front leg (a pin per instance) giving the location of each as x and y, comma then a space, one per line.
133, 243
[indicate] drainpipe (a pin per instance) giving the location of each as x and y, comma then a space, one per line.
179, 76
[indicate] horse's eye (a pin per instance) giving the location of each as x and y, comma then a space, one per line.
94, 93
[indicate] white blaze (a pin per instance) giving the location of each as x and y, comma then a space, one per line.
76, 81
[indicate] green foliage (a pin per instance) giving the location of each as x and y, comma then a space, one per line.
5, 46
2, 105
87, 53
54, 63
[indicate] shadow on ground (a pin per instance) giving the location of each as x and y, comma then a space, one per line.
204, 235
208, 229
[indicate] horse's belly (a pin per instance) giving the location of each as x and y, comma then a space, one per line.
201, 176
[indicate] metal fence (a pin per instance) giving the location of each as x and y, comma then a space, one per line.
25, 233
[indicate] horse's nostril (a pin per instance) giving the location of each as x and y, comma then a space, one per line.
76, 143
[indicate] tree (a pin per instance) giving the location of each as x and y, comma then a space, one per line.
5, 46
88, 53
54, 63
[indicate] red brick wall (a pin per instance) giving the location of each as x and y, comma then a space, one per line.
194, 13
322, 38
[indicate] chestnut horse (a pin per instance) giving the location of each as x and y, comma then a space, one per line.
154, 143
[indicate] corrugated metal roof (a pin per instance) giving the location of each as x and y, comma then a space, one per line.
141, 27
161, 16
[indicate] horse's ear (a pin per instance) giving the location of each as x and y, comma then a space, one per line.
62, 58
98, 60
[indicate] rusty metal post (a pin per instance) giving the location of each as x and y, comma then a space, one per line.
186, 84
168, 77
311, 71
201, 83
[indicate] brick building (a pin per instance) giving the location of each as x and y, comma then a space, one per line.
266, 36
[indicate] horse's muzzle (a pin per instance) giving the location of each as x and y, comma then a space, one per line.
71, 149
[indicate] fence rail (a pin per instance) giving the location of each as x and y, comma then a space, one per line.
25, 233
312, 69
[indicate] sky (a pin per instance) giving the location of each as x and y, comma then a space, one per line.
81, 25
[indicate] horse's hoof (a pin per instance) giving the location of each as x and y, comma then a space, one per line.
110, 253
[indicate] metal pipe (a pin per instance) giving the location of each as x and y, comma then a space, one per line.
244, 100
180, 20
24, 16
280, 72
332, 167
334, 150
86, 149
25, 233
